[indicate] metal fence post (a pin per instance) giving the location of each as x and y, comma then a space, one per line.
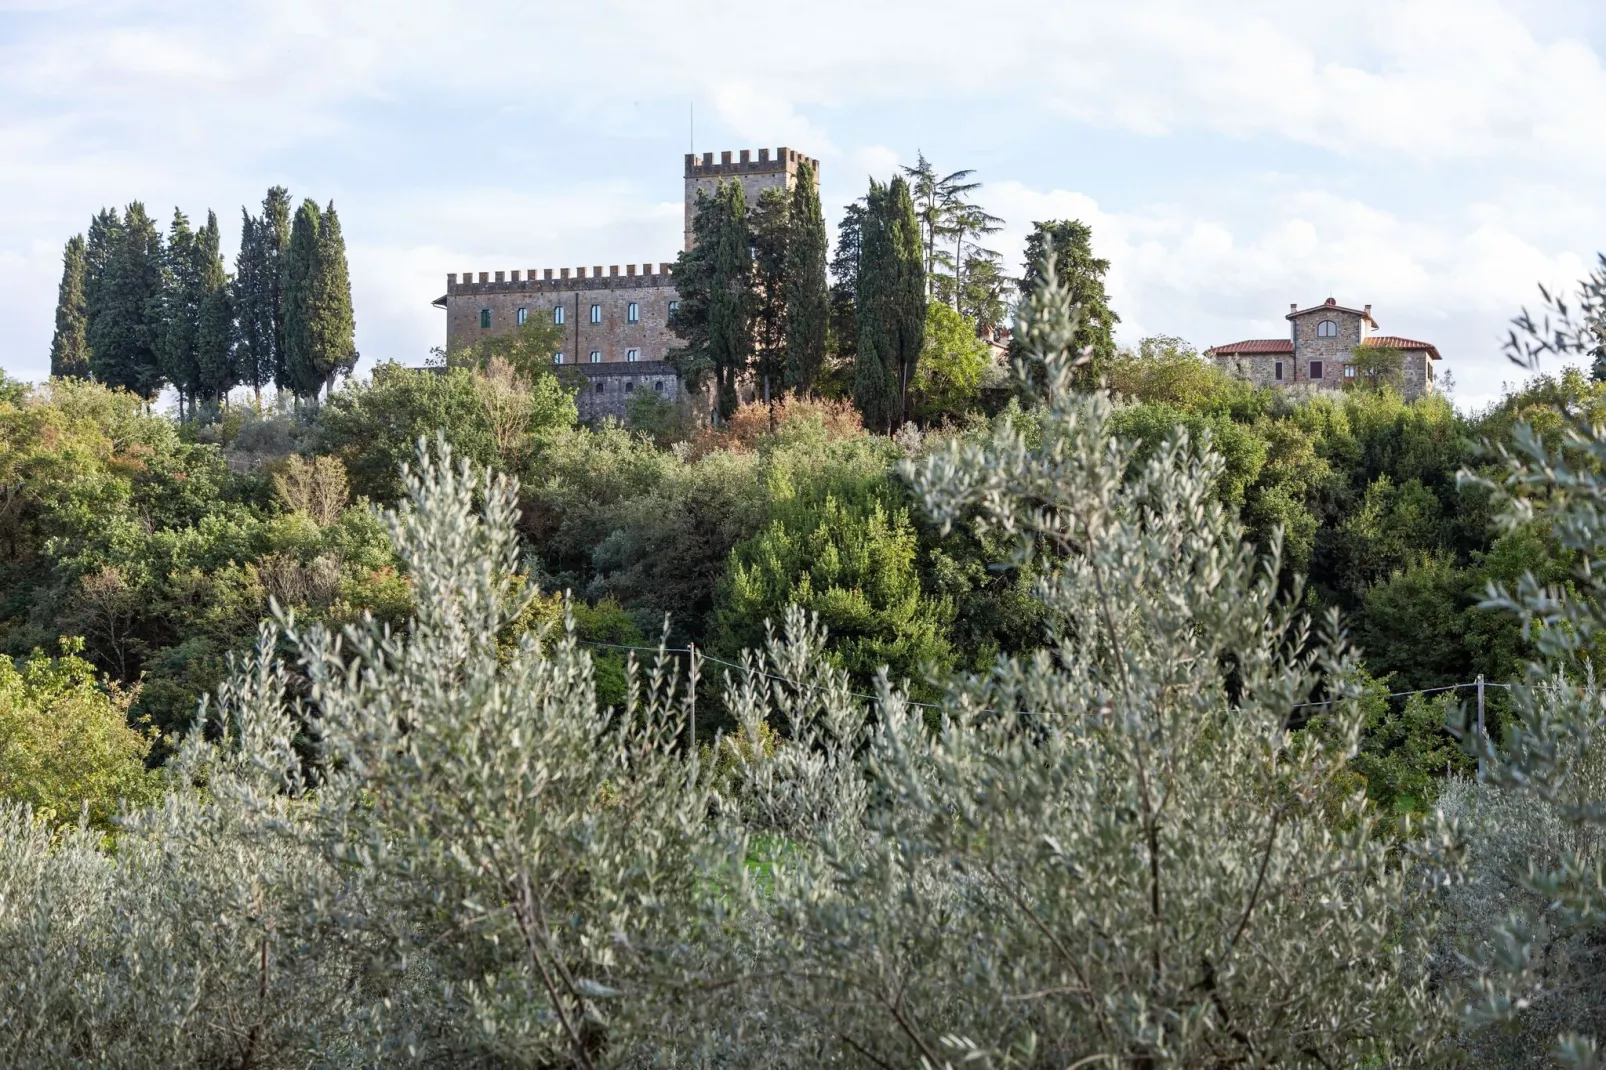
1482, 738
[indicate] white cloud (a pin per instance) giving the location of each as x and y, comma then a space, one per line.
1438, 157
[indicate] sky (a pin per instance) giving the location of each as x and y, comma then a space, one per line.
1437, 159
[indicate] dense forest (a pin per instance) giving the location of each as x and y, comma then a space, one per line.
358, 684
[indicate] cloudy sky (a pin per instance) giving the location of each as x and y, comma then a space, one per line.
1435, 158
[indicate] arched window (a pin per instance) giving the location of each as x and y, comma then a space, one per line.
1327, 329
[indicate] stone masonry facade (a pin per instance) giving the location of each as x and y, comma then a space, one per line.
1318, 351
705, 176
603, 391
616, 323
608, 315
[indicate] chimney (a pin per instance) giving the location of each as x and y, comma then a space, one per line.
1292, 307
1368, 311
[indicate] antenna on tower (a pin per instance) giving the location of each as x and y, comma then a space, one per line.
691, 127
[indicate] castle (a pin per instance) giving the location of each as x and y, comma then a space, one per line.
1316, 355
616, 324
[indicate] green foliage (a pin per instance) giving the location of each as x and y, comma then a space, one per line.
807, 298
69, 347
123, 286
948, 378
890, 305
374, 427
319, 329
258, 297
66, 748
769, 234
1081, 274
528, 349
1407, 749
850, 560
713, 280
1376, 368
843, 342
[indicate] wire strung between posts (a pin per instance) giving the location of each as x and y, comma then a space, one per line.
930, 706
743, 669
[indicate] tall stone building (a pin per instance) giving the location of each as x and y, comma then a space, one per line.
1318, 352
616, 324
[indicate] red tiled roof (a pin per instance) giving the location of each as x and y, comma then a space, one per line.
1390, 341
1253, 345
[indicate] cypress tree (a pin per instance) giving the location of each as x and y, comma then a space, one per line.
730, 311
713, 282
181, 312
330, 322
770, 227
124, 299
907, 313
874, 389
844, 326
301, 376
808, 307
258, 293
890, 306
1082, 274
69, 349
216, 373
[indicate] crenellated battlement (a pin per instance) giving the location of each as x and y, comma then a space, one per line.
579, 278
785, 161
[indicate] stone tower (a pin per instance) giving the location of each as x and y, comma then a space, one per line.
756, 176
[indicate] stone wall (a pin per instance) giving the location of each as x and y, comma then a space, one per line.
1332, 352
1416, 367
1260, 370
607, 390
756, 176
614, 293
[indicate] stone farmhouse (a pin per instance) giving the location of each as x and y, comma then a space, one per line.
616, 323
1316, 354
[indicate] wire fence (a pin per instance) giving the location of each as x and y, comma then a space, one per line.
930, 706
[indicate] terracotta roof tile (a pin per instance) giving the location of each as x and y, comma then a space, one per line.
1390, 341
1253, 345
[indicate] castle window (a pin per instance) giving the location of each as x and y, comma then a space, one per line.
1315, 369
1326, 329
658, 385
632, 354
557, 358
1277, 371
596, 356
630, 388
557, 314
633, 314
485, 318
600, 384
674, 307
523, 314
596, 313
